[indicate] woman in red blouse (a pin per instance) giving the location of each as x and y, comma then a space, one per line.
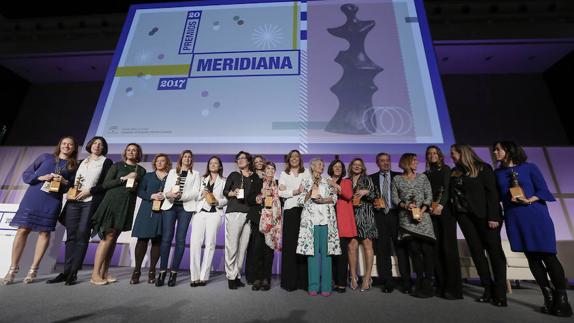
345, 221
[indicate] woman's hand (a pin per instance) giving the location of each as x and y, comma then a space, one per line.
437, 210
46, 178
259, 199
523, 200
83, 195
157, 196
233, 193
493, 224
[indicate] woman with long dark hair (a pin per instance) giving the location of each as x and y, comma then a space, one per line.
474, 198
48, 178
529, 227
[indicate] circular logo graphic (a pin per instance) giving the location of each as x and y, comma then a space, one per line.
389, 120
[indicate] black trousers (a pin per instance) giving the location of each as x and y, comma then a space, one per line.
388, 227
293, 266
78, 226
480, 239
341, 264
261, 255
249, 259
422, 254
446, 260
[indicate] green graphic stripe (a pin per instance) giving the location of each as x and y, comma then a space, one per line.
295, 24
153, 70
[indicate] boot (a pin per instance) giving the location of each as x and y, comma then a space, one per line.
256, 285
151, 277
160, 278
561, 306
548, 294
172, 279
231, 283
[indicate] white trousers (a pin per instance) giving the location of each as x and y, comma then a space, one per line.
237, 232
204, 227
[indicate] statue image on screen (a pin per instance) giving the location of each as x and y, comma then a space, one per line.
356, 87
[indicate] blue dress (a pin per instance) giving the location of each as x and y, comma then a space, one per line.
39, 210
529, 227
148, 223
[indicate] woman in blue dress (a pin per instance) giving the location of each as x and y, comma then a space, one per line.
528, 224
148, 222
42, 203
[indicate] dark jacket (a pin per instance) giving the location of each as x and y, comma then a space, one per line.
480, 193
377, 183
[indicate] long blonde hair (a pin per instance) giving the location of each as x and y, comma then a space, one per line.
469, 160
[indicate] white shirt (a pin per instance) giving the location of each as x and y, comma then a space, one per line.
90, 170
320, 212
291, 183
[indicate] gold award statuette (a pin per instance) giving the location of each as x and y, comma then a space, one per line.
156, 205
417, 214
434, 204
73, 191
210, 198
54, 186
131, 183
175, 189
315, 192
516, 190
356, 200
379, 203
268, 201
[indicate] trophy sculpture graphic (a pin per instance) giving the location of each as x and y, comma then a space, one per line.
356, 87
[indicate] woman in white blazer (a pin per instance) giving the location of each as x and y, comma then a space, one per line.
181, 191
206, 222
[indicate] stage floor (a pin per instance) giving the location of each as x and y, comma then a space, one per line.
122, 302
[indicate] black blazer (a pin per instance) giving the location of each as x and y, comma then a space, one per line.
481, 193
97, 191
375, 178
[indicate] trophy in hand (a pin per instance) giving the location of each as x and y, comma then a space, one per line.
55, 184
435, 203
268, 199
74, 190
416, 211
131, 183
516, 191
209, 197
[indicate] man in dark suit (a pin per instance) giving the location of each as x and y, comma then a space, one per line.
387, 220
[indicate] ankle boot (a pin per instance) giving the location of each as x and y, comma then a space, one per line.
160, 278
135, 277
561, 306
486, 295
548, 294
172, 279
151, 277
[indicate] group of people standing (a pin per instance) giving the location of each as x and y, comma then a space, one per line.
316, 220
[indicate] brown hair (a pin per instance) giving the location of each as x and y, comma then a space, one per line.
139, 154
104, 145
178, 165
168, 161
72, 161
219, 171
440, 162
363, 167
262, 158
288, 165
469, 160
406, 160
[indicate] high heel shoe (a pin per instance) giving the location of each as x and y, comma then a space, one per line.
353, 283
32, 273
9, 278
151, 277
364, 289
135, 277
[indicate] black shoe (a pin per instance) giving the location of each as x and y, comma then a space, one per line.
160, 278
201, 283
256, 285
548, 300
58, 279
265, 285
340, 289
172, 279
71, 279
499, 302
406, 288
151, 277
561, 306
232, 284
239, 283
486, 295
193, 284
135, 277
387, 289
449, 296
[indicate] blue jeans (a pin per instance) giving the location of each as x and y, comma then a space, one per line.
170, 217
